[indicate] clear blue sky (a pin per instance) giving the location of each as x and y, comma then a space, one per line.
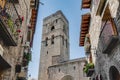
72, 10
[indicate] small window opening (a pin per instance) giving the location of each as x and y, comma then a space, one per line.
47, 52
52, 40
63, 40
66, 43
52, 28
64, 28
59, 69
56, 20
46, 41
74, 67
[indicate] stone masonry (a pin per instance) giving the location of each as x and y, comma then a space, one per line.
54, 58
105, 62
13, 54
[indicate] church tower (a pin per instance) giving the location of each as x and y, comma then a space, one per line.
55, 43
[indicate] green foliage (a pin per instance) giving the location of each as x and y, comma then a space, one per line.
27, 56
88, 66
10, 24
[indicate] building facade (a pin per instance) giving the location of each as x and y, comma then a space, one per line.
17, 27
100, 36
54, 58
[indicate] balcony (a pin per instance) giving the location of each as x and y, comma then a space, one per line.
89, 69
9, 24
111, 43
109, 35
4, 59
4, 64
101, 7
86, 4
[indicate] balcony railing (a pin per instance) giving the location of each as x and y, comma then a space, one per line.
108, 37
10, 22
89, 69
110, 44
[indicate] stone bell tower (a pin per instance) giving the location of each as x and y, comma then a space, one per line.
55, 43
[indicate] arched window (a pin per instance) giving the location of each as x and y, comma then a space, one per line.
114, 73
46, 41
52, 39
67, 77
52, 28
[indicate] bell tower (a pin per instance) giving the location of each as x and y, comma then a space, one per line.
55, 43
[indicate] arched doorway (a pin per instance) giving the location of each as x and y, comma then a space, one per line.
114, 73
67, 77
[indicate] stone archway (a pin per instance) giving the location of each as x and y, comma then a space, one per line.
67, 77
114, 73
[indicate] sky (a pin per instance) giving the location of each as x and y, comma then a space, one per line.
72, 11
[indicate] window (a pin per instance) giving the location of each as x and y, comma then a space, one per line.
29, 36
52, 39
59, 69
66, 43
47, 52
46, 41
63, 40
56, 20
74, 67
64, 28
52, 28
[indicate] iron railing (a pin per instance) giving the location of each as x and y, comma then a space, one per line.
10, 22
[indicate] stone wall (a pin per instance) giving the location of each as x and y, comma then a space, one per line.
103, 62
14, 55
55, 29
73, 68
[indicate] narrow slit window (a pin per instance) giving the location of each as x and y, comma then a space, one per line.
74, 67
46, 41
52, 40
56, 20
63, 40
47, 52
66, 43
59, 69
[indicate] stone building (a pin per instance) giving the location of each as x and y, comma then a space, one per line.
54, 58
100, 35
17, 27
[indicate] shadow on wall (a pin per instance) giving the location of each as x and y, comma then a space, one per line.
67, 77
